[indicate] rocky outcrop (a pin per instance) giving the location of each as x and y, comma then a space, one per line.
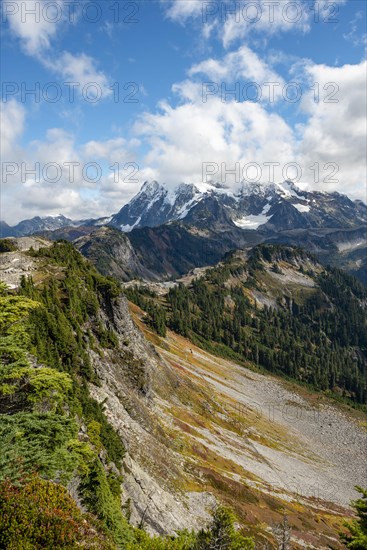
152, 469
14, 265
159, 511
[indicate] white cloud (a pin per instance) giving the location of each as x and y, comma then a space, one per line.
56, 174
112, 150
238, 20
81, 69
354, 36
179, 139
34, 25
218, 129
12, 119
180, 11
267, 18
335, 131
242, 64
334, 135
240, 74
185, 137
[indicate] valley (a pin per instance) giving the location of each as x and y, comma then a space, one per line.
219, 410
265, 447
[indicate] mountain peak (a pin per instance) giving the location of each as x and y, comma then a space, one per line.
273, 206
151, 188
254, 188
289, 188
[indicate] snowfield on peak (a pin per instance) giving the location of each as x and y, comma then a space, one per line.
302, 207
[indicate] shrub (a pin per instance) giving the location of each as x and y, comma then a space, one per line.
356, 539
37, 442
99, 499
7, 245
39, 514
222, 533
42, 388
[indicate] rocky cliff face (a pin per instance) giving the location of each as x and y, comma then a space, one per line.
158, 253
264, 447
112, 252
152, 470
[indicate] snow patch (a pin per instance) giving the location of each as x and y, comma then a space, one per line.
185, 209
302, 207
343, 247
212, 187
289, 189
254, 221
127, 228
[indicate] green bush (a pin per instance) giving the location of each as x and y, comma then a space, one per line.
7, 245
43, 389
356, 539
222, 533
37, 442
98, 498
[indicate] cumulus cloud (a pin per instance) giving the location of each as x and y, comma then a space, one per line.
181, 11
266, 18
184, 138
55, 174
12, 120
112, 150
81, 69
329, 148
235, 68
36, 23
335, 131
218, 130
191, 139
33, 23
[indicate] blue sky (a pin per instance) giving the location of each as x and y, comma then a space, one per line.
172, 62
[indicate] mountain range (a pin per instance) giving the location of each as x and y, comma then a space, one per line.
163, 232
270, 207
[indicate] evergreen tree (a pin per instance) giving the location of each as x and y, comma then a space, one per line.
356, 539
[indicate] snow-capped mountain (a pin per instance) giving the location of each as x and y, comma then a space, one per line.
272, 207
34, 225
155, 205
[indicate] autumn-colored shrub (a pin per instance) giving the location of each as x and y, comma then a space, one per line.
39, 514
